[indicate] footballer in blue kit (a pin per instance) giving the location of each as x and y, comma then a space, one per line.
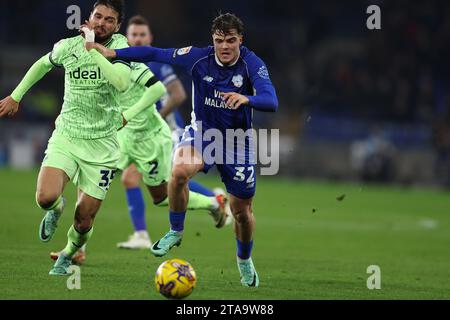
229, 82
139, 34
167, 75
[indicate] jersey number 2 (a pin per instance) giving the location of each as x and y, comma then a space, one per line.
154, 168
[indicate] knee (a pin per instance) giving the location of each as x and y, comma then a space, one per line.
45, 199
130, 180
180, 176
243, 215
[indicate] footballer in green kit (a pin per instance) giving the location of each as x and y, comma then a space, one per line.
84, 147
146, 147
146, 142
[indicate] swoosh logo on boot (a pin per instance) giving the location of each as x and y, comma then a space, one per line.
43, 236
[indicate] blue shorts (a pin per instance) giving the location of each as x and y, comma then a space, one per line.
239, 177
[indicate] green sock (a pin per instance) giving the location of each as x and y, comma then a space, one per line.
196, 201
76, 240
200, 201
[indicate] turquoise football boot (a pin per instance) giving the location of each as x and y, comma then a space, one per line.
163, 246
249, 277
61, 266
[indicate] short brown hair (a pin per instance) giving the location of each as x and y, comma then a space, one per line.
224, 23
138, 20
116, 5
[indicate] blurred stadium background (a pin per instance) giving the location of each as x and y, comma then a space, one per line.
375, 102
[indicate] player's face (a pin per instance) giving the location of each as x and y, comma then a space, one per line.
105, 22
227, 46
139, 35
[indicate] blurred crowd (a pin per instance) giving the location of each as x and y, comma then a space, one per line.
320, 54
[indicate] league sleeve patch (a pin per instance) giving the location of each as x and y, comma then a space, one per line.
183, 51
263, 72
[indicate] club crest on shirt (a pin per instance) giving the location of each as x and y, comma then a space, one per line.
263, 72
238, 81
183, 51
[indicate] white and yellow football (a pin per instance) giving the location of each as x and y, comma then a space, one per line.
175, 279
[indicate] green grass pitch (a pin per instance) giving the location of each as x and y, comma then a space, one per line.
310, 243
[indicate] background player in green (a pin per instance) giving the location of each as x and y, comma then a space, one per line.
84, 146
154, 166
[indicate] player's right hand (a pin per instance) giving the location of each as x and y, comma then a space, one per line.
8, 107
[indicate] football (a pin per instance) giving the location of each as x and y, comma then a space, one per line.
175, 279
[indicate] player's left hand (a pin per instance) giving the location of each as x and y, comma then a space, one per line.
234, 100
8, 107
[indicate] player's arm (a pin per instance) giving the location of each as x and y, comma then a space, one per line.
175, 90
118, 74
10, 105
265, 97
177, 95
184, 57
154, 90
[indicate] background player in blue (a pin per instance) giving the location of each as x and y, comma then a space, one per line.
229, 82
139, 34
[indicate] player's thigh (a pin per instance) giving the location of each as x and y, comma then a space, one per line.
58, 167
187, 162
51, 181
131, 177
239, 180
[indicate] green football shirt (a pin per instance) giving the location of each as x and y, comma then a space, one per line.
148, 120
91, 104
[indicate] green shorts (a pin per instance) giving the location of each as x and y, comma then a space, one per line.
150, 152
90, 164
